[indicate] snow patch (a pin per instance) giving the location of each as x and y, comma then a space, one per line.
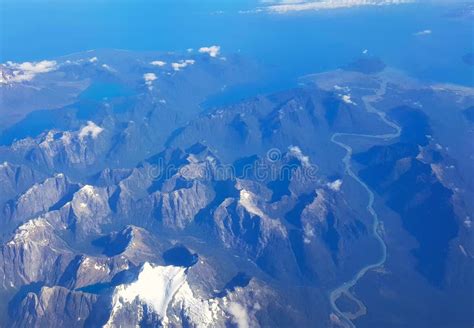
247, 200
89, 191
25, 231
203, 313
155, 286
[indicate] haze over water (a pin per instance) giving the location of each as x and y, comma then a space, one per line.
291, 45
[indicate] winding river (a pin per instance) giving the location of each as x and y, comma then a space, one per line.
344, 288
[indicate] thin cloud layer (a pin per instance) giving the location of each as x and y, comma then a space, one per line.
424, 32
158, 63
285, 6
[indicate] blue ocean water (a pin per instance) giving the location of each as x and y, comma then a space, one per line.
291, 44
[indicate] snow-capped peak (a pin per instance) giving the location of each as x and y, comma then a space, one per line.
161, 288
155, 286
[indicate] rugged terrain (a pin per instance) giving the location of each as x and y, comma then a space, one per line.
126, 202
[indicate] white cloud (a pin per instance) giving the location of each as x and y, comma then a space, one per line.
38, 67
18, 72
347, 99
91, 129
308, 233
335, 185
252, 11
158, 63
346, 96
241, 317
285, 6
94, 60
107, 67
182, 64
468, 222
296, 151
424, 32
213, 51
149, 78
339, 88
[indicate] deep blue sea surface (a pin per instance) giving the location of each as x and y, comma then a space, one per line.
291, 44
